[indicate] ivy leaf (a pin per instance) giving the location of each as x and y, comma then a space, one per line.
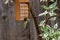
54, 8
53, 5
42, 23
44, 13
53, 19
53, 38
58, 29
43, 0
59, 38
55, 26
44, 29
52, 0
45, 7
52, 13
45, 35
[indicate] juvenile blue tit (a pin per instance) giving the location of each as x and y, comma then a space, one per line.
26, 23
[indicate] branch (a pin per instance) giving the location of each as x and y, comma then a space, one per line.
36, 24
50, 18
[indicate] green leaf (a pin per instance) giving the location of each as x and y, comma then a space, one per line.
44, 13
54, 8
58, 29
42, 23
45, 7
53, 5
55, 26
45, 35
47, 38
52, 19
44, 29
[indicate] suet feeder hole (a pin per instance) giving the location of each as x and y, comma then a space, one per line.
22, 9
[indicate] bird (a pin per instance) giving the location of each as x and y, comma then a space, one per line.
26, 23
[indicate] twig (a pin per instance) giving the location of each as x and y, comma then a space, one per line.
50, 18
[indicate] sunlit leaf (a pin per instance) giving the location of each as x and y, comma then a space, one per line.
52, 0
45, 35
52, 13
43, 0
53, 38
54, 8
53, 5
44, 29
59, 38
53, 19
42, 23
45, 7
58, 29
55, 26
44, 13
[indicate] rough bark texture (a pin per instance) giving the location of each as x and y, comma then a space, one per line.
10, 29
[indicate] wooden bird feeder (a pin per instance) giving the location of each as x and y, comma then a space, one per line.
22, 9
